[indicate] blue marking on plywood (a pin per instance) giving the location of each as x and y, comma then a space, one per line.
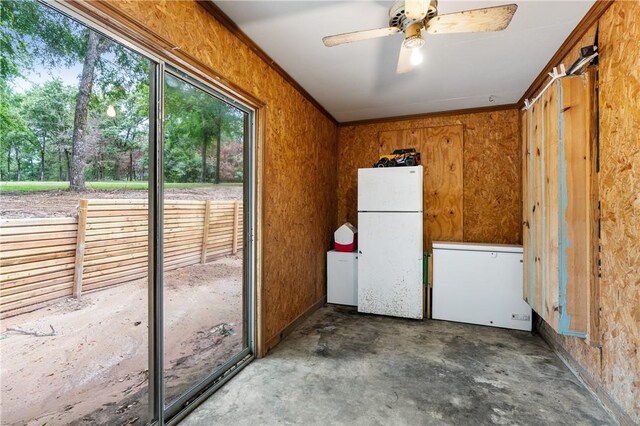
574, 334
564, 323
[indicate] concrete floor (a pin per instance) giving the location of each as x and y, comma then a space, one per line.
341, 367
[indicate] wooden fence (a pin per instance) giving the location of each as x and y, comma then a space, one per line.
45, 259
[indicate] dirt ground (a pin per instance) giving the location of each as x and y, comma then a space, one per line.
16, 205
94, 369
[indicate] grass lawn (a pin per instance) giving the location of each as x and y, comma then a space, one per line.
48, 186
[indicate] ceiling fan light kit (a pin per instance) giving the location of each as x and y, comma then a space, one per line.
413, 37
412, 16
416, 57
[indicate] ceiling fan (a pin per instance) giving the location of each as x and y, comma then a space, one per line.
412, 16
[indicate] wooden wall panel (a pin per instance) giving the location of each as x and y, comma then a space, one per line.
620, 195
299, 196
615, 364
492, 208
526, 202
492, 178
395, 139
563, 243
594, 293
550, 208
586, 355
441, 151
575, 104
443, 186
536, 208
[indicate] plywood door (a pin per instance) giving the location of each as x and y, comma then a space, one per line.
441, 153
443, 183
561, 248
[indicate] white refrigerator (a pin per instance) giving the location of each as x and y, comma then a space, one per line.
390, 245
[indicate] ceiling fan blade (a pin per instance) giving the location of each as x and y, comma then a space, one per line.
337, 39
471, 21
404, 61
416, 9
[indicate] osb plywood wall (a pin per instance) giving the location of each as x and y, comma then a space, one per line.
441, 151
443, 191
616, 365
492, 211
298, 196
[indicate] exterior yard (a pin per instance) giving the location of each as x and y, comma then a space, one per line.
31, 186
85, 361
18, 204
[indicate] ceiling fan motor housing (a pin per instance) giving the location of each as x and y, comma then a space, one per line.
413, 38
398, 18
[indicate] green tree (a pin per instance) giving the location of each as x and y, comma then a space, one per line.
14, 134
180, 163
230, 155
126, 134
198, 120
47, 111
32, 33
94, 46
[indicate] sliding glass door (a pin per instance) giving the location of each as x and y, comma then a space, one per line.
125, 241
74, 178
204, 286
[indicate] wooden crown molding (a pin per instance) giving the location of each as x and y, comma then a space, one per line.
429, 115
592, 16
228, 23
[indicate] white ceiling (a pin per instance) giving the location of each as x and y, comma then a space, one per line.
358, 81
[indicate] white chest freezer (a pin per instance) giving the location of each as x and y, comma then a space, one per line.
479, 284
342, 278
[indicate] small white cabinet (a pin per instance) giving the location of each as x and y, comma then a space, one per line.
342, 278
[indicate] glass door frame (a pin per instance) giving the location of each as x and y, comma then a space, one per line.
159, 63
216, 378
